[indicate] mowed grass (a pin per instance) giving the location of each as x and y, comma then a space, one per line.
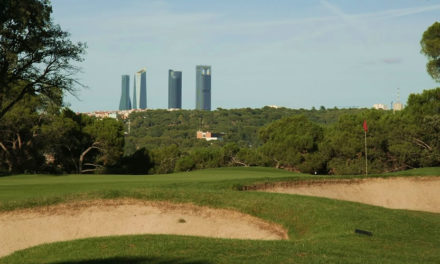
321, 230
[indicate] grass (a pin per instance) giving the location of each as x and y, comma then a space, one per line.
321, 230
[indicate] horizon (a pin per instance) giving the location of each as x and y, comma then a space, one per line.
285, 53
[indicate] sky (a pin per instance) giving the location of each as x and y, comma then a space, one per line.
296, 54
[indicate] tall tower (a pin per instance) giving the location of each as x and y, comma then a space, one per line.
203, 87
125, 103
174, 89
140, 90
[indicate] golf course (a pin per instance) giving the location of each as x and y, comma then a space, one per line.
225, 215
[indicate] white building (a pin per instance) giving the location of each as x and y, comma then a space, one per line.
380, 106
397, 106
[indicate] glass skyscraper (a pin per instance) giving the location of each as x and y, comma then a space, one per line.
125, 103
203, 87
174, 89
140, 90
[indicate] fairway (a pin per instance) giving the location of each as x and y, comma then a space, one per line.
319, 230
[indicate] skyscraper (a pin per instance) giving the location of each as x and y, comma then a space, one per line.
203, 87
125, 103
140, 90
174, 89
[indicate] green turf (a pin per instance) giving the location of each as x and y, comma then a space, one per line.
320, 229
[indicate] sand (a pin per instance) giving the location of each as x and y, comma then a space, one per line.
21, 229
411, 193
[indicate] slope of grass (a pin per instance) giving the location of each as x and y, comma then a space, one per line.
321, 230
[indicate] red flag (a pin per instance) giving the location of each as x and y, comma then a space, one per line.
365, 126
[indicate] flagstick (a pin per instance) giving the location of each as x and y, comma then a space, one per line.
366, 159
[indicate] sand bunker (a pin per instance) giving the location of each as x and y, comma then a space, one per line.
415, 193
20, 229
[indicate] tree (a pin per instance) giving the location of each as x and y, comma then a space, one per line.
290, 140
80, 143
422, 116
165, 158
137, 163
230, 155
431, 48
20, 137
107, 139
426, 103
344, 143
35, 54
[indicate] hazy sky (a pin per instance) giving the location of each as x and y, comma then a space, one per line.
296, 54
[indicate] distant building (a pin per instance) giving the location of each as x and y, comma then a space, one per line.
125, 102
123, 114
140, 90
274, 106
380, 106
208, 136
397, 106
101, 114
203, 87
174, 89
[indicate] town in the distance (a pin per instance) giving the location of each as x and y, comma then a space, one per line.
138, 101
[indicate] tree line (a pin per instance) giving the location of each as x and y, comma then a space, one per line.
296, 141
40, 136
169, 140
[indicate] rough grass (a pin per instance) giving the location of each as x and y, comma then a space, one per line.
321, 230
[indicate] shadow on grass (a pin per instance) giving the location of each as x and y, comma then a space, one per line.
4, 174
135, 260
